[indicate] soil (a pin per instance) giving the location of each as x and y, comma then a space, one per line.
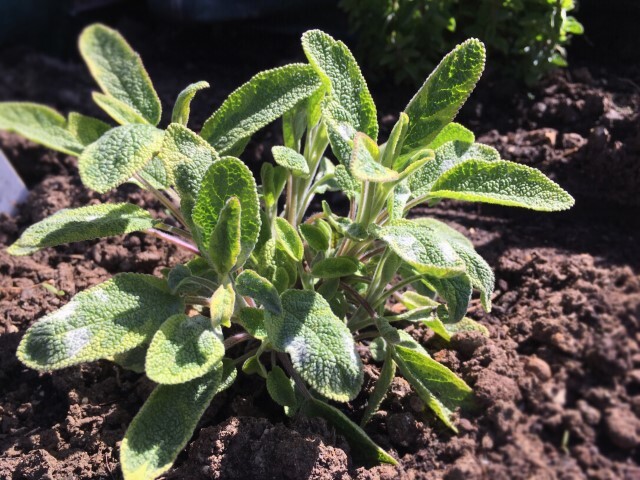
557, 381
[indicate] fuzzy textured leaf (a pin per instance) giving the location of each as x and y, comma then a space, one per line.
502, 183
364, 165
335, 267
452, 131
182, 107
441, 389
182, 349
117, 155
444, 92
86, 129
363, 445
446, 157
110, 318
166, 422
224, 244
117, 110
321, 347
250, 284
291, 160
84, 223
227, 178
351, 101
315, 236
387, 373
260, 101
421, 246
288, 239
39, 124
119, 71
280, 388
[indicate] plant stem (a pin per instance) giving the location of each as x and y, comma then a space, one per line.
286, 363
162, 198
175, 240
403, 283
178, 231
234, 340
193, 300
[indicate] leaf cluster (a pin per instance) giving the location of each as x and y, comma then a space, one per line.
273, 289
406, 38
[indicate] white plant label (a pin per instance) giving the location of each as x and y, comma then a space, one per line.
12, 188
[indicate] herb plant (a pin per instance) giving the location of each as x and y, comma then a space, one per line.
406, 38
283, 293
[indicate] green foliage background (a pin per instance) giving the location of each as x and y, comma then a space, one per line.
407, 38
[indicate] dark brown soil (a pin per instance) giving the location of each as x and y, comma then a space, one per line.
558, 381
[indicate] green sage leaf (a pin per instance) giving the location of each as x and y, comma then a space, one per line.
224, 245
502, 183
334, 267
260, 101
182, 107
288, 239
362, 444
227, 178
441, 389
291, 160
250, 284
280, 388
117, 110
118, 155
387, 373
84, 223
321, 347
110, 318
166, 422
364, 164
40, 124
86, 129
182, 349
446, 157
119, 71
444, 92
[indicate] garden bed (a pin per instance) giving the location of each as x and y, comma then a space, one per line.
557, 382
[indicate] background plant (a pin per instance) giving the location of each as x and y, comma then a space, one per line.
279, 291
407, 38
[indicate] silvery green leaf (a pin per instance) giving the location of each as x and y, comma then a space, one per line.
182, 349
441, 389
260, 101
224, 244
288, 239
250, 284
444, 92
84, 223
448, 156
502, 183
280, 388
227, 178
321, 346
110, 318
362, 444
118, 155
364, 163
291, 160
39, 124
119, 71
182, 107
166, 422
334, 267
86, 129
